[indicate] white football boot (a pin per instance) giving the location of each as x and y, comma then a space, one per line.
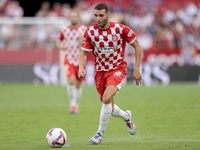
129, 123
96, 139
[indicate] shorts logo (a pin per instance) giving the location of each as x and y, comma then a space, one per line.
118, 74
130, 33
114, 38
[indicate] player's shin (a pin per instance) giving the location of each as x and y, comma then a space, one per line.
77, 95
70, 93
105, 114
117, 112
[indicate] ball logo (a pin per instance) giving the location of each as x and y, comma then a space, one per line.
118, 74
114, 38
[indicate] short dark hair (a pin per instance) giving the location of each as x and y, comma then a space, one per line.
101, 6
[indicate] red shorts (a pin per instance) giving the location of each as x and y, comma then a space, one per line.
71, 70
105, 78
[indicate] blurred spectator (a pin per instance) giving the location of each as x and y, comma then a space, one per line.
3, 5
86, 14
158, 24
44, 9
191, 9
188, 49
116, 7
14, 10
6, 34
198, 13
41, 36
66, 9
56, 10
135, 21
196, 22
145, 39
169, 14
197, 40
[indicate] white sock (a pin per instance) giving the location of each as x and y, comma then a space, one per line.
105, 114
117, 112
77, 95
70, 93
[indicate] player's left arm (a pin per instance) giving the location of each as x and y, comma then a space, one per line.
136, 74
130, 37
83, 29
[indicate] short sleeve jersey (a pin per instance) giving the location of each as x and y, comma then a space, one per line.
108, 45
72, 38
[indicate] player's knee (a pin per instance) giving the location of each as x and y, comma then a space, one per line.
106, 99
70, 82
78, 85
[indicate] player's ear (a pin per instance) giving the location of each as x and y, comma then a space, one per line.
108, 15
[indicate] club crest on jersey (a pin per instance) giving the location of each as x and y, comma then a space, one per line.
114, 38
118, 74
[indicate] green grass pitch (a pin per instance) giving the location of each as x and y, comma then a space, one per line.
166, 118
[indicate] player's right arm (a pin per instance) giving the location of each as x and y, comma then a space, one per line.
86, 47
82, 63
61, 46
60, 42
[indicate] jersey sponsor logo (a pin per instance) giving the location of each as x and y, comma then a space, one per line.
114, 38
84, 39
118, 74
74, 42
130, 33
108, 50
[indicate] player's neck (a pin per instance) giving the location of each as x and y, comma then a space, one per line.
106, 26
74, 26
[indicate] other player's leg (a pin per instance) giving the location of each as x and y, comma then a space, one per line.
71, 80
77, 95
70, 91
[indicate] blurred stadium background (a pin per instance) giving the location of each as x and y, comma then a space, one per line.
166, 116
168, 31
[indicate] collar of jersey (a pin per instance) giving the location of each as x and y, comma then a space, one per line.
111, 24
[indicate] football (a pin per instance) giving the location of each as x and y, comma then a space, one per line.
56, 137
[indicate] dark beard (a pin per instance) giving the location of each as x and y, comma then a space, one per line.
105, 22
74, 24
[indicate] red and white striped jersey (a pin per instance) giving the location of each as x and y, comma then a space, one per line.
72, 38
108, 45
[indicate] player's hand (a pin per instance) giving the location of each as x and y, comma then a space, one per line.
81, 36
81, 73
137, 77
63, 46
